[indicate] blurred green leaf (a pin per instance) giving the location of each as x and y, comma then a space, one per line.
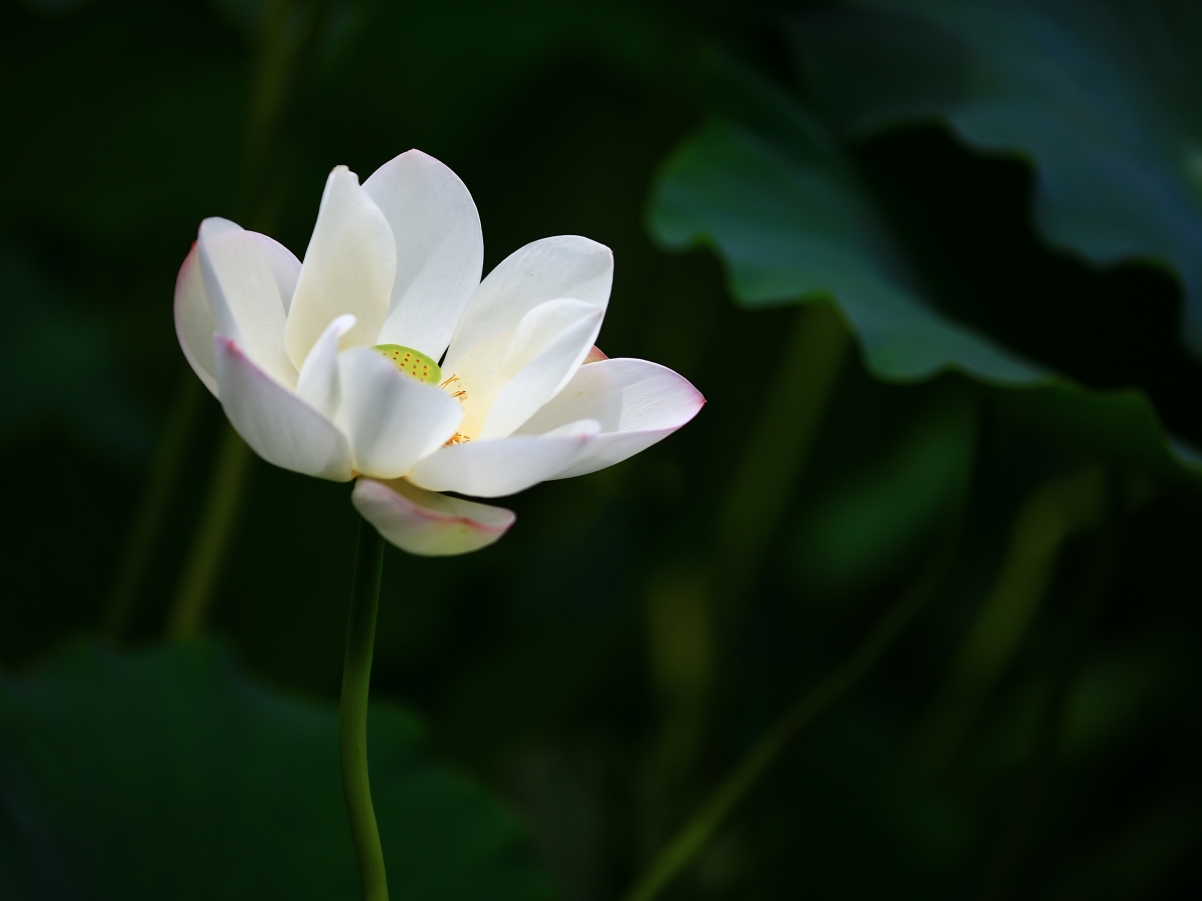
795, 223
1105, 98
783, 206
170, 774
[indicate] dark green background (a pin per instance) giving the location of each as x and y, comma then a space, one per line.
584, 683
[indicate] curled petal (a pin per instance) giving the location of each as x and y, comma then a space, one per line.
553, 268
279, 426
318, 384
439, 247
194, 324
391, 419
512, 376
503, 465
636, 402
349, 266
428, 524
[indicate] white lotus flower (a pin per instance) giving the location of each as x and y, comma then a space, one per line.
330, 368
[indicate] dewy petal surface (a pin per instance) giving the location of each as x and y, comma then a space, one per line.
392, 420
636, 402
279, 426
349, 266
550, 269
503, 465
244, 295
439, 249
194, 324
428, 524
549, 344
284, 266
318, 384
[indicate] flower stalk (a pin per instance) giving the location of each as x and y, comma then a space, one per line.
352, 722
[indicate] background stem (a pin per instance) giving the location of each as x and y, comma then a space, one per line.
212, 538
153, 505
697, 832
285, 53
352, 725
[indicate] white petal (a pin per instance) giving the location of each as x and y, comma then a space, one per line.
194, 324
636, 402
503, 465
284, 266
549, 345
318, 384
428, 524
244, 296
279, 426
564, 266
348, 268
392, 420
439, 248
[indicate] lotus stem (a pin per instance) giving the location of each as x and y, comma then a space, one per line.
698, 831
352, 721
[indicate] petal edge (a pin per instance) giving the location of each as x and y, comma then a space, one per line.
426, 523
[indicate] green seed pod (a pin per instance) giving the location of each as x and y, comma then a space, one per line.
412, 363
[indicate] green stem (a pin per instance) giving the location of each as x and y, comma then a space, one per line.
697, 832
153, 505
777, 451
212, 538
1051, 514
352, 723
1010, 851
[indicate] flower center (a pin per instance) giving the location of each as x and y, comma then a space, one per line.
412, 363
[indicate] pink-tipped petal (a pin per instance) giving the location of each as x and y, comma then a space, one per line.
279, 426
596, 355
244, 295
194, 324
428, 524
636, 402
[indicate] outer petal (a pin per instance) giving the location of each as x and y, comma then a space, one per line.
284, 266
565, 266
549, 346
503, 465
243, 295
439, 248
429, 524
392, 420
637, 403
349, 267
194, 326
318, 384
279, 426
